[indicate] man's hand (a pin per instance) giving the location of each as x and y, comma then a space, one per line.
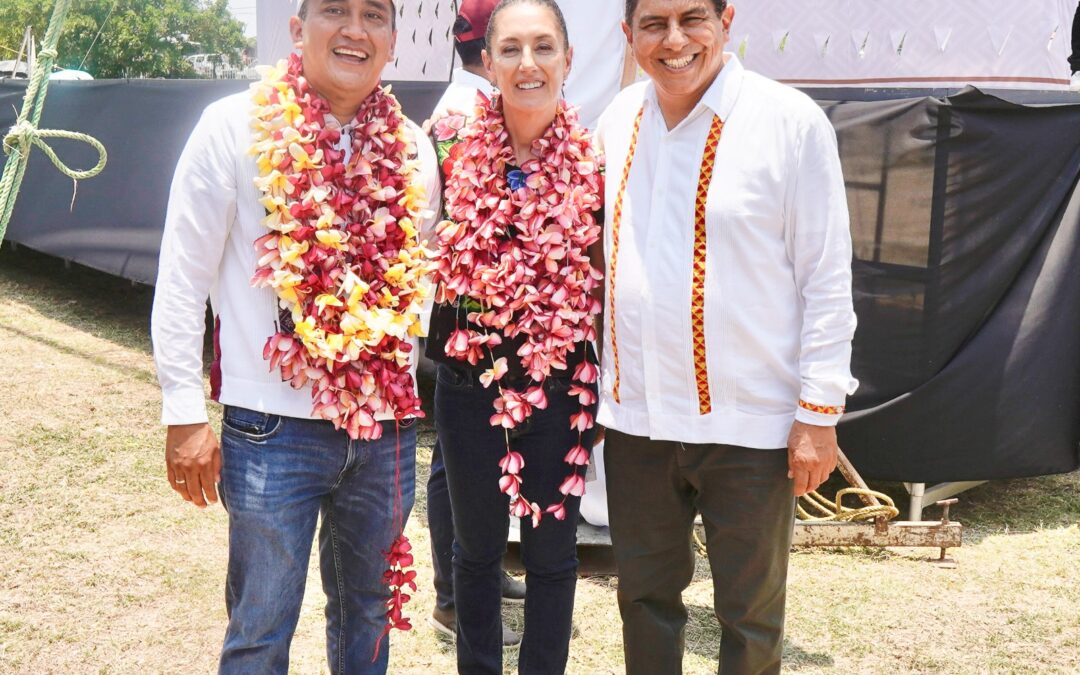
812, 453
599, 437
193, 461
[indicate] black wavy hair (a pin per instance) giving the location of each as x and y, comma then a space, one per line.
631, 7
302, 13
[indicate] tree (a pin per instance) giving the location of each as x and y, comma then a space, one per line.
138, 38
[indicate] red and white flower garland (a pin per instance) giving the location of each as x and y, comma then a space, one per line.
522, 255
343, 257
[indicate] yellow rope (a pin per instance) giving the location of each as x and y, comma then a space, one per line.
834, 510
25, 134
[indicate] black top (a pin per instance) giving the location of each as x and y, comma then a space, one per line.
446, 318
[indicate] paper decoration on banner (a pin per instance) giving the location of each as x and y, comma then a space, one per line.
860, 39
999, 37
942, 35
897, 38
1053, 36
821, 43
780, 39
425, 43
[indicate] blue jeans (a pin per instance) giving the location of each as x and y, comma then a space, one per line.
279, 474
471, 449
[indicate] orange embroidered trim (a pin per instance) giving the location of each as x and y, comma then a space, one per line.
616, 221
697, 292
823, 409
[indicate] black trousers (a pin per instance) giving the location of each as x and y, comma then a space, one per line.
747, 506
1074, 60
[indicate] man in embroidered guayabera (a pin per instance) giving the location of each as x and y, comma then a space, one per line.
728, 322
300, 208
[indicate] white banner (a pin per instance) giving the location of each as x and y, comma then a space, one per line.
915, 43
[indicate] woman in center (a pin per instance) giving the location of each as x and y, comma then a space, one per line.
511, 330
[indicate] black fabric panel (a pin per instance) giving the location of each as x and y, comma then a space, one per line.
118, 216
965, 222
968, 344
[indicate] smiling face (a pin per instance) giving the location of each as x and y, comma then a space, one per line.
346, 44
680, 45
527, 58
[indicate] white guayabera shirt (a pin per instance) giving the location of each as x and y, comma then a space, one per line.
770, 309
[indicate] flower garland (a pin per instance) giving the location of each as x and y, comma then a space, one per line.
343, 258
519, 251
342, 251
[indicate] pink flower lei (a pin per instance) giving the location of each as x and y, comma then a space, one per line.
522, 255
342, 255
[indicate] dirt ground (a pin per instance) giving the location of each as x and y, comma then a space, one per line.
104, 570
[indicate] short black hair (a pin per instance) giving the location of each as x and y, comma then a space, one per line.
631, 7
470, 50
302, 13
560, 20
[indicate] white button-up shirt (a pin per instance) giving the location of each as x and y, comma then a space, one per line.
213, 219
777, 308
460, 95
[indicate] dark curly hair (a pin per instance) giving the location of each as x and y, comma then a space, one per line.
302, 13
631, 7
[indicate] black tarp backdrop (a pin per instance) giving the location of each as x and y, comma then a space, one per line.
965, 220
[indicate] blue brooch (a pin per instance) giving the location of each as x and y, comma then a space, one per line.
516, 178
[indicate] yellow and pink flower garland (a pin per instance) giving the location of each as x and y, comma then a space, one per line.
344, 259
521, 253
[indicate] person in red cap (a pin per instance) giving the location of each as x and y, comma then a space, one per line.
469, 77
469, 30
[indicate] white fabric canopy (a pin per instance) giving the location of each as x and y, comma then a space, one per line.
916, 43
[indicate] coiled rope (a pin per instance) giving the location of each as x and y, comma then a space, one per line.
25, 133
876, 505
836, 511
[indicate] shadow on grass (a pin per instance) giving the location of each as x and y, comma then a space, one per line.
703, 639
105, 306
134, 372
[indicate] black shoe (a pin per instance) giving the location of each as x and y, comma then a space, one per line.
445, 621
513, 591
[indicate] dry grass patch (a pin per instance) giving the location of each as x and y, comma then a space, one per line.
104, 570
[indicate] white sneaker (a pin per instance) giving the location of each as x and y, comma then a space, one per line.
1074, 84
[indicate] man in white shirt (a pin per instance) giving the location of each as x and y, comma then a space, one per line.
469, 78
278, 466
727, 334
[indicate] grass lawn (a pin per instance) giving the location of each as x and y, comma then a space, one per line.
103, 569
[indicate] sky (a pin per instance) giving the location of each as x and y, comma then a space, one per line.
244, 10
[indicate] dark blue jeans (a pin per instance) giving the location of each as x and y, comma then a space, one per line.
279, 474
471, 449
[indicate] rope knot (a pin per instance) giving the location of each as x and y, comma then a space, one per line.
49, 53
24, 134
19, 136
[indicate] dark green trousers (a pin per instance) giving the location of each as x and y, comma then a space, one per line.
747, 506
